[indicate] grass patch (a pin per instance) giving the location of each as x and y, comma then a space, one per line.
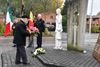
47, 33
74, 48
1, 29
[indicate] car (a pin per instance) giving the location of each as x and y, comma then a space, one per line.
50, 27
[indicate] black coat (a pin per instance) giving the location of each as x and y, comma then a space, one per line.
40, 25
20, 34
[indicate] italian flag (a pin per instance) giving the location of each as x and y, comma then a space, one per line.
9, 24
30, 20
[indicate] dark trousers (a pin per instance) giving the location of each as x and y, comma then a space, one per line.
39, 40
21, 54
30, 41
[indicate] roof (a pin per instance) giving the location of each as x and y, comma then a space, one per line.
94, 16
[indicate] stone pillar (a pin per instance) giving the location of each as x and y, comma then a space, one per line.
82, 22
79, 6
69, 25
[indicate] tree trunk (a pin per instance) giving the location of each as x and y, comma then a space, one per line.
69, 27
82, 22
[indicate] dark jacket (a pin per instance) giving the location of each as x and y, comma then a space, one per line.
40, 25
20, 34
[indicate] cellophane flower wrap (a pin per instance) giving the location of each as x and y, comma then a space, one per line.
34, 31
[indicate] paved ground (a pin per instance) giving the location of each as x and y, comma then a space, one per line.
8, 59
67, 59
90, 40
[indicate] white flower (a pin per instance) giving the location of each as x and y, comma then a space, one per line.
39, 51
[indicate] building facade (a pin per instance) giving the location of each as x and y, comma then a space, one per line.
95, 22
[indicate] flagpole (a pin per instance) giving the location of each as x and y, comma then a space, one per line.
91, 17
8, 23
22, 7
7, 2
32, 37
31, 4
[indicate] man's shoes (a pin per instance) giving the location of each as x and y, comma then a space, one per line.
18, 62
22, 63
26, 63
38, 47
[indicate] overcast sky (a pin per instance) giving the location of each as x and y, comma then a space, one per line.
96, 7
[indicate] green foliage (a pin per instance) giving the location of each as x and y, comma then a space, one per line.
37, 6
95, 29
64, 10
1, 29
64, 19
46, 33
98, 14
74, 48
64, 23
3, 5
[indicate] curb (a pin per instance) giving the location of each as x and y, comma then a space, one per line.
48, 63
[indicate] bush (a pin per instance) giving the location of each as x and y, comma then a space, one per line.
64, 23
47, 33
1, 29
95, 29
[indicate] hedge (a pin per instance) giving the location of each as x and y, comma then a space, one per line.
1, 29
95, 29
64, 23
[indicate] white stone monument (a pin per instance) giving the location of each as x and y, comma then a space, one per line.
58, 30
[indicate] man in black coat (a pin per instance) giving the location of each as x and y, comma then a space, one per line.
40, 25
20, 40
13, 28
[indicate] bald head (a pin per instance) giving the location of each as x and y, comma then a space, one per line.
39, 16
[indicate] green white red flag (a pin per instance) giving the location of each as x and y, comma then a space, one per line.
9, 24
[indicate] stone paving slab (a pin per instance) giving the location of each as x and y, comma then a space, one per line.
60, 58
8, 60
52, 58
6, 43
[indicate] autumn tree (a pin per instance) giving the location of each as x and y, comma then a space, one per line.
98, 14
37, 6
64, 10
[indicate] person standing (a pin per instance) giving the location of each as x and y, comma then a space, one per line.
30, 38
41, 27
21, 31
13, 28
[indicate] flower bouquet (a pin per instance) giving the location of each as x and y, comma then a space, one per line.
39, 51
34, 31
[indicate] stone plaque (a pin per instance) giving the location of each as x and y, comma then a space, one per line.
96, 51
